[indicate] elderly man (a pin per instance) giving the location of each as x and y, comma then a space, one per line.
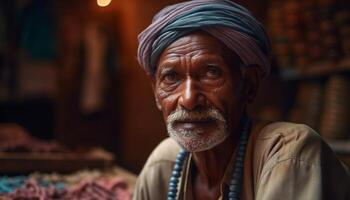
206, 59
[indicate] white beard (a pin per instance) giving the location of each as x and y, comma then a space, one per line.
192, 140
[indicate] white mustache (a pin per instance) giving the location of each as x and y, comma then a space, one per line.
181, 114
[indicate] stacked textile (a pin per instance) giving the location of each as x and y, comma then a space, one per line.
84, 185
113, 189
14, 138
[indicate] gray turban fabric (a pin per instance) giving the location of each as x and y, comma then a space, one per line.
225, 20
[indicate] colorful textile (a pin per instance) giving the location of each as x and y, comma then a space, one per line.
102, 189
9, 184
109, 184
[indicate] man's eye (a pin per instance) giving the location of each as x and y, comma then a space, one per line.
170, 77
213, 72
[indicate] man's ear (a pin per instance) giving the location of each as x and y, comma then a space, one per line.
153, 83
252, 80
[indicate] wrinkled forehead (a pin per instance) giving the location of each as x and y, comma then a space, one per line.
198, 45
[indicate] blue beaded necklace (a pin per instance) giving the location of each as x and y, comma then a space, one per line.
235, 186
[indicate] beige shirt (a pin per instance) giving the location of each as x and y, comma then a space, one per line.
282, 161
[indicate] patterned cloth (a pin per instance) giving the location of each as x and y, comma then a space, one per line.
109, 184
102, 189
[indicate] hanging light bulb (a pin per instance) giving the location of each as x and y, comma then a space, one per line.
103, 3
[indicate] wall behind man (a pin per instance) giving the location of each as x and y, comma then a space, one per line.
142, 127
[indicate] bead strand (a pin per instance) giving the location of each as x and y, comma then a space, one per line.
236, 179
176, 174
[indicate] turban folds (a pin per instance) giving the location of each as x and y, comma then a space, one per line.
225, 20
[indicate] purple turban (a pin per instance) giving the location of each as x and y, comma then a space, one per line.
225, 20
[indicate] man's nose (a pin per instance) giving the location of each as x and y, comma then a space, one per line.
191, 95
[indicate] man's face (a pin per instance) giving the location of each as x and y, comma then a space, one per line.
199, 90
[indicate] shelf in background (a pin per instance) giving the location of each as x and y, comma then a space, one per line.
340, 146
342, 149
315, 71
52, 162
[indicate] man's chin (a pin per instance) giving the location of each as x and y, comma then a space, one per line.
198, 144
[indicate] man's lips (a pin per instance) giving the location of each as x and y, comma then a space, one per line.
192, 124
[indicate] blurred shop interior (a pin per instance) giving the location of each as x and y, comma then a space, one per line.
74, 101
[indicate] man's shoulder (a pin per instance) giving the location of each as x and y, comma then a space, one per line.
286, 128
286, 140
153, 179
166, 151
290, 130
287, 154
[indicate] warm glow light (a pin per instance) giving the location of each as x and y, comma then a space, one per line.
103, 3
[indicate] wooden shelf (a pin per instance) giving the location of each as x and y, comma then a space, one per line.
50, 162
342, 149
315, 71
340, 146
